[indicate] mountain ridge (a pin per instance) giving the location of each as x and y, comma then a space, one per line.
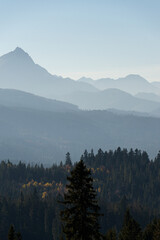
17, 98
132, 83
18, 71
111, 98
44, 136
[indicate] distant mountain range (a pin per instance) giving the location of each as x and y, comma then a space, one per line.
112, 98
41, 115
18, 71
132, 84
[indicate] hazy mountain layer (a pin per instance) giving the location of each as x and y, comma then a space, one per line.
132, 84
42, 136
156, 84
16, 98
148, 96
37, 129
111, 98
18, 71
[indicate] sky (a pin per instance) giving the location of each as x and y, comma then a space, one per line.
92, 38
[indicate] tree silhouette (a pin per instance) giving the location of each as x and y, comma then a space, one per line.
130, 229
11, 233
80, 216
68, 159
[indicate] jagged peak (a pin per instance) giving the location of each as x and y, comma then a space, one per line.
18, 54
19, 50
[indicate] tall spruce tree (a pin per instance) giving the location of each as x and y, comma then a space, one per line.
131, 229
11, 233
80, 215
68, 159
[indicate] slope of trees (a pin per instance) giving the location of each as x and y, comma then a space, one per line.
29, 194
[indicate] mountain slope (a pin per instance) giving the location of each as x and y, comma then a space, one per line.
111, 98
16, 98
18, 71
42, 136
156, 84
148, 96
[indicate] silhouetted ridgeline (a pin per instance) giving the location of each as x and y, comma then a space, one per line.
122, 179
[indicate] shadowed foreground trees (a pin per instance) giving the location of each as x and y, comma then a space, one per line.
123, 180
12, 235
80, 216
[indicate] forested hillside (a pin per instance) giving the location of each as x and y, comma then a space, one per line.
123, 179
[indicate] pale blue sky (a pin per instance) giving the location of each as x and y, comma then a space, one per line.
95, 38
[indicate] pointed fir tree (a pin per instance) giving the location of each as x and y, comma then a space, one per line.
11, 233
80, 215
68, 159
130, 229
149, 230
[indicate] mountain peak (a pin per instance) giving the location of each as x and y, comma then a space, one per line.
135, 77
17, 55
19, 50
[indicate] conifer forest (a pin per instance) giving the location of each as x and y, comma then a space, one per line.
106, 195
